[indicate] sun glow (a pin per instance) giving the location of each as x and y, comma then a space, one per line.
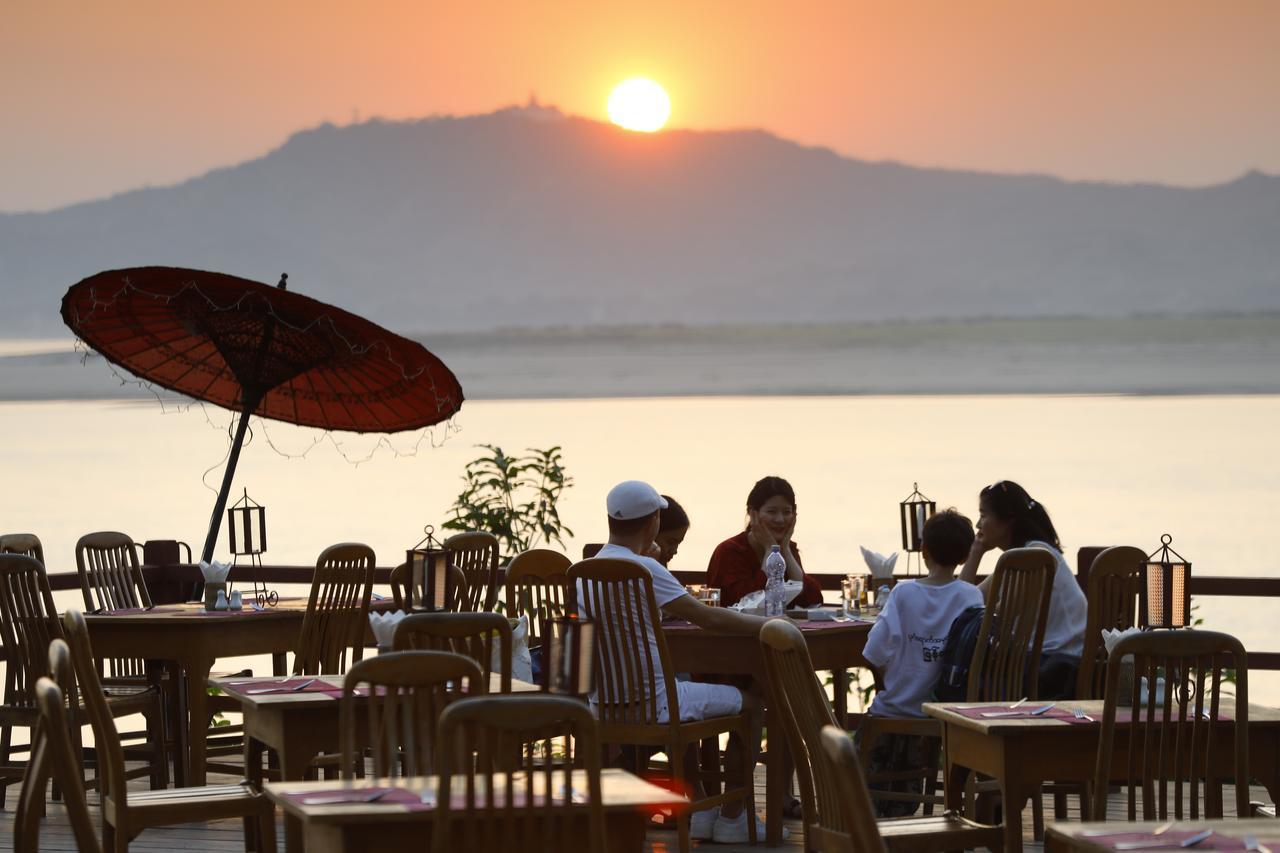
639, 104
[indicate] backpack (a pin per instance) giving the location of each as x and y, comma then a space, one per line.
957, 655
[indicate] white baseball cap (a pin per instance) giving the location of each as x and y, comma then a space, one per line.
633, 499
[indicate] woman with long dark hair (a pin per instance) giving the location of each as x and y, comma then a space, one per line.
1008, 517
737, 564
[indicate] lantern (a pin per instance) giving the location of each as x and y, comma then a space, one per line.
913, 513
429, 578
1166, 588
247, 530
568, 667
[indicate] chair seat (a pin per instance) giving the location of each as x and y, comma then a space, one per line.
939, 832
167, 806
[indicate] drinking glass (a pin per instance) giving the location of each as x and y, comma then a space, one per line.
710, 596
694, 589
848, 598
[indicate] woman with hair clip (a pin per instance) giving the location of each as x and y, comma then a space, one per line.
1008, 517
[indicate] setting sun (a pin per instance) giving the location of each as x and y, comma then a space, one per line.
639, 104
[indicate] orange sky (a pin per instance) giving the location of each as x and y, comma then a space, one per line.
101, 97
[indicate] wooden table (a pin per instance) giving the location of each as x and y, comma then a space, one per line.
832, 645
185, 635
1085, 837
298, 726
1021, 753
388, 827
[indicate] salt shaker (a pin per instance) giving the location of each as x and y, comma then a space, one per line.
221, 603
237, 601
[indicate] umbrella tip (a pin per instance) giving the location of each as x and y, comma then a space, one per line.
284, 281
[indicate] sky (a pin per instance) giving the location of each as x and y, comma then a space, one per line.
97, 98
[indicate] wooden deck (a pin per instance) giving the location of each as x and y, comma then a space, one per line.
227, 835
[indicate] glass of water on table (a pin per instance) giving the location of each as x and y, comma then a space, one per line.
710, 596
851, 590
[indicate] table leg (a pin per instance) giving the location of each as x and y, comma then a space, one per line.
775, 778
294, 763
954, 779
197, 719
840, 696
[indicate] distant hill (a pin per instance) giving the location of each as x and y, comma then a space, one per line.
529, 218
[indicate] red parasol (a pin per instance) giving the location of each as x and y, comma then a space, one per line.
259, 350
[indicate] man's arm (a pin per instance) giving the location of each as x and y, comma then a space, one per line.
721, 620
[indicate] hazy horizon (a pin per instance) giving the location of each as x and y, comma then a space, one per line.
1181, 94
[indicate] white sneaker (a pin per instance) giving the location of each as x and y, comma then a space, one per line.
701, 823
734, 830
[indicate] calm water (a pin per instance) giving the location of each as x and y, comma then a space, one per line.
1110, 469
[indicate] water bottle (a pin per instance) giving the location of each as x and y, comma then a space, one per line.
775, 595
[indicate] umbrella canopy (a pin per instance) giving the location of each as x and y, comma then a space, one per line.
261, 350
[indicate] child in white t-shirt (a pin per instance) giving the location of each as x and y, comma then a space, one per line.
905, 646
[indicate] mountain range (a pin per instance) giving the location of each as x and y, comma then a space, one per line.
526, 217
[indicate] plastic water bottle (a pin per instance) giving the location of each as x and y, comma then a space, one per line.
775, 568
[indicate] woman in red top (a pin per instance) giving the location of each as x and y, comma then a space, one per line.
737, 564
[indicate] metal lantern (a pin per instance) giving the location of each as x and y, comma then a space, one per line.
913, 513
1166, 588
247, 530
430, 581
568, 667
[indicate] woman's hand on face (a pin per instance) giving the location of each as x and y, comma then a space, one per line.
760, 534
980, 545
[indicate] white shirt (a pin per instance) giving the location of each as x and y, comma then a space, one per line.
907, 640
666, 589
1068, 609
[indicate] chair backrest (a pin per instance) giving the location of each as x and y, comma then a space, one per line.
801, 703
27, 544
1115, 581
402, 580
1006, 659
618, 596
407, 691
470, 634
836, 750
52, 754
337, 610
110, 577
1174, 732
28, 624
476, 553
551, 735
537, 584
106, 738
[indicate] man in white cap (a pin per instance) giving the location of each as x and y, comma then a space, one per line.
634, 517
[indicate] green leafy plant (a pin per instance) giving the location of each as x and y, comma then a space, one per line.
514, 498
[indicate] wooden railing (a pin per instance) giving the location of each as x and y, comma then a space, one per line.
177, 582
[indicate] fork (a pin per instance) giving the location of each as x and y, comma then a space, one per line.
1081, 715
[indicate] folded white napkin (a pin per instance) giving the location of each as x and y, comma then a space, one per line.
1112, 636
521, 659
880, 565
755, 600
214, 572
384, 627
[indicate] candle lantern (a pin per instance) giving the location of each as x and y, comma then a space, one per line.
247, 530
430, 582
1166, 588
913, 513
569, 666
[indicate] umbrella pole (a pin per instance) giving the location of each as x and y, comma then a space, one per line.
215, 521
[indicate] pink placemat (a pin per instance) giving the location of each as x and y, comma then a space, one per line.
802, 624
412, 800
1170, 840
216, 614
288, 686
976, 712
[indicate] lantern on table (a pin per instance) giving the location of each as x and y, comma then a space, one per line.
913, 513
568, 668
1166, 588
247, 529
429, 578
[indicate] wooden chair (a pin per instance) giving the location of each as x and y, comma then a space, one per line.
618, 596
407, 693
1173, 741
537, 588
54, 755
28, 625
476, 553
111, 579
551, 735
26, 544
835, 819
337, 610
403, 596
1115, 582
1005, 660
472, 635
126, 813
